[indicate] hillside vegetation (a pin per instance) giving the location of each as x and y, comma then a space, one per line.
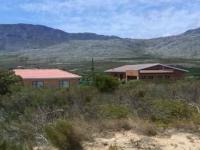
67, 117
36, 43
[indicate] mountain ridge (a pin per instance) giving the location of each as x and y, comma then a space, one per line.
45, 42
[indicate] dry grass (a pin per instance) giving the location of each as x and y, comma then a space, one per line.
113, 147
87, 130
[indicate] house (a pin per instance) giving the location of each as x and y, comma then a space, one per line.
51, 78
147, 71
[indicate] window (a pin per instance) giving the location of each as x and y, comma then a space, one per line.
132, 77
64, 84
38, 84
167, 77
160, 77
150, 77
143, 77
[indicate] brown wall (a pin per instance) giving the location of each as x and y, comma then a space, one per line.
175, 75
50, 83
132, 73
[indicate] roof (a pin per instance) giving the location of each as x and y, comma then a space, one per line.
156, 71
140, 67
44, 74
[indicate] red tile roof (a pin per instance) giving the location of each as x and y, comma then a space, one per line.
44, 74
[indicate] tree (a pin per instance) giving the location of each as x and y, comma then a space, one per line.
106, 83
8, 80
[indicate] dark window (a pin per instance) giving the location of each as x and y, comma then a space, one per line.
143, 77
131, 77
160, 77
38, 84
167, 77
121, 76
150, 77
64, 84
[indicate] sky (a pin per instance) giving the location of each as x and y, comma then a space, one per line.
124, 18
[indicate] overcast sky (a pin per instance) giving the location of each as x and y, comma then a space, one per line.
124, 18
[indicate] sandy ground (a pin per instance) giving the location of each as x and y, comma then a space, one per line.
130, 140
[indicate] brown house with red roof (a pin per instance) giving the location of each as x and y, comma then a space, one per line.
51, 78
147, 71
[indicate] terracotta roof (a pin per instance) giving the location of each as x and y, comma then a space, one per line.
139, 67
44, 74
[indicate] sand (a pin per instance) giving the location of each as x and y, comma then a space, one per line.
129, 140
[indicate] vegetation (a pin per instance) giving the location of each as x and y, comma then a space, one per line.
10, 146
62, 135
31, 117
7, 81
106, 83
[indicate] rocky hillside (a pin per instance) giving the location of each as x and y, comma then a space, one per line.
186, 45
15, 37
45, 42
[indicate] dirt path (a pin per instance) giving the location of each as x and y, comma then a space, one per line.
132, 141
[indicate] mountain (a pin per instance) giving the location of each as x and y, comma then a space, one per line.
186, 45
15, 37
36, 42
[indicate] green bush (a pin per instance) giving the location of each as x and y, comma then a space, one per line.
10, 146
105, 83
62, 135
8, 82
166, 111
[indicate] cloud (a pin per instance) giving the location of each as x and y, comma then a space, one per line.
126, 18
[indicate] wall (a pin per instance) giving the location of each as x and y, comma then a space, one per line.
132, 73
177, 74
51, 83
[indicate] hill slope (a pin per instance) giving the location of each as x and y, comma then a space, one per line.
15, 37
186, 45
41, 42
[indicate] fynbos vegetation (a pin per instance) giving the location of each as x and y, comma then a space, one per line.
63, 118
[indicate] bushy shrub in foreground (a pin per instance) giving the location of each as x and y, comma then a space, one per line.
166, 111
10, 146
8, 82
62, 135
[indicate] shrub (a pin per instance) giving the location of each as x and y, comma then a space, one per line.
149, 130
113, 147
7, 81
114, 111
166, 111
105, 83
62, 135
11, 146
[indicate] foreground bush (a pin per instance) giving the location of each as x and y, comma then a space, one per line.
167, 111
10, 146
62, 135
8, 81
